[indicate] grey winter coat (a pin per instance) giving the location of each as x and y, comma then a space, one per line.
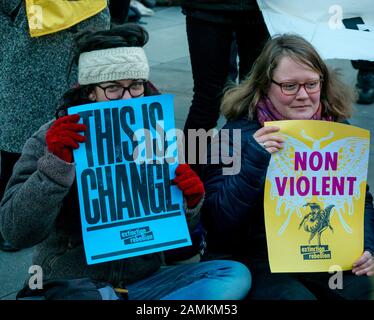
40, 208
33, 72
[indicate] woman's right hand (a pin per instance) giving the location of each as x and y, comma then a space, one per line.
267, 139
63, 136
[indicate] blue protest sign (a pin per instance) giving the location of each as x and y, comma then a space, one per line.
124, 173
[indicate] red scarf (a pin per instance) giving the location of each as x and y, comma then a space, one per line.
267, 112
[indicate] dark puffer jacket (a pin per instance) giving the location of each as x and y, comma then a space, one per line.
233, 211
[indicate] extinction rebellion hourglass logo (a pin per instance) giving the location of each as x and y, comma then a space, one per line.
315, 223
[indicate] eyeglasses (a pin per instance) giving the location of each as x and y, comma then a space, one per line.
116, 91
292, 88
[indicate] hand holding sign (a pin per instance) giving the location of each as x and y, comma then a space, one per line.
190, 184
63, 136
364, 265
265, 138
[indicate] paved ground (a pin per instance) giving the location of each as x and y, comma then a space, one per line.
168, 55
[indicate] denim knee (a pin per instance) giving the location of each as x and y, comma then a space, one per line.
239, 277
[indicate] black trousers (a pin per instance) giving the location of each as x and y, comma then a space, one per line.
306, 286
363, 65
210, 46
119, 10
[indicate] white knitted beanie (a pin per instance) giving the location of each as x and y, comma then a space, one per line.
112, 64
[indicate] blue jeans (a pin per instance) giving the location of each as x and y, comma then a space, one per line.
211, 280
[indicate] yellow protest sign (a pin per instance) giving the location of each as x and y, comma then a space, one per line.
314, 196
49, 16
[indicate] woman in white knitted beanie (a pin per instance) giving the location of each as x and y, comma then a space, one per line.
40, 205
111, 65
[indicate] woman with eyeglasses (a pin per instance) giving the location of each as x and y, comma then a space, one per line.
40, 206
289, 81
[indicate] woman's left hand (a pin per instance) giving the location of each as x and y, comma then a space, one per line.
364, 265
189, 182
266, 137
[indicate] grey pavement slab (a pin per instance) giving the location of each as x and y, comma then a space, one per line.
168, 54
14, 268
169, 79
168, 39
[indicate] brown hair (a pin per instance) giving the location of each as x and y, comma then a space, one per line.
242, 99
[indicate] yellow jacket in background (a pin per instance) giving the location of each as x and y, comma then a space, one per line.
49, 16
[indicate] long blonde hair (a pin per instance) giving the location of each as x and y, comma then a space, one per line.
242, 99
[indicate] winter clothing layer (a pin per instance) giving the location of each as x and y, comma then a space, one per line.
40, 207
33, 73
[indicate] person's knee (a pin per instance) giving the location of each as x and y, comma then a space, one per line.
240, 277
241, 272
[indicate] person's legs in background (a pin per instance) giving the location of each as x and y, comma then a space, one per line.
149, 3
7, 160
365, 81
209, 46
211, 280
251, 38
233, 65
119, 10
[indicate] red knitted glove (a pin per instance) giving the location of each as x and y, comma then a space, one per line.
62, 136
190, 184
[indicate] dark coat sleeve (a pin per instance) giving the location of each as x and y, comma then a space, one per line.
230, 198
369, 223
368, 218
34, 193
